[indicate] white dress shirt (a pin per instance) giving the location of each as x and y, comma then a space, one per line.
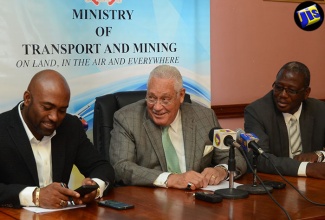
175, 132
287, 117
176, 136
43, 157
42, 153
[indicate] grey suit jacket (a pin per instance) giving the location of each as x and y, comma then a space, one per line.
70, 146
264, 119
136, 150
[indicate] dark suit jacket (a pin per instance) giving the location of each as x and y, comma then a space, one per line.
70, 146
264, 119
136, 150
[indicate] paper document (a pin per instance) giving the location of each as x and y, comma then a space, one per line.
43, 210
222, 185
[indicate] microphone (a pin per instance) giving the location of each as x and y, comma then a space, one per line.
249, 140
223, 138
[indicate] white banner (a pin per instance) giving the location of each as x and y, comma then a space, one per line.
103, 46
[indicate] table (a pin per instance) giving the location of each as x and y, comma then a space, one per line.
161, 203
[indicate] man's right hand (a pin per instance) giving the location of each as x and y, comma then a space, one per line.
55, 196
316, 170
181, 181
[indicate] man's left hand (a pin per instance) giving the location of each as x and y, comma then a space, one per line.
214, 175
90, 196
306, 157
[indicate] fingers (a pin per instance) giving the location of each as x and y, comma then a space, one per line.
56, 196
67, 192
214, 175
88, 181
189, 186
63, 203
214, 179
194, 180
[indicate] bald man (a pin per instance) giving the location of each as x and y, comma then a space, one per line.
40, 143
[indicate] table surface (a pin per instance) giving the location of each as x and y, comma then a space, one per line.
161, 203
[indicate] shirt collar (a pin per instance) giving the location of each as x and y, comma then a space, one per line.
29, 133
287, 116
176, 124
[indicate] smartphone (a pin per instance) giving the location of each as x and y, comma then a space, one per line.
85, 189
274, 184
208, 197
115, 204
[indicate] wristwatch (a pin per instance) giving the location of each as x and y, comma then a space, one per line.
320, 156
166, 182
225, 169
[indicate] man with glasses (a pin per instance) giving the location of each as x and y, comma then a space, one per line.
290, 125
161, 141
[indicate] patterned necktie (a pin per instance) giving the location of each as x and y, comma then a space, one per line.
294, 136
170, 152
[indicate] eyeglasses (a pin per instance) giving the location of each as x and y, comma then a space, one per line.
163, 101
278, 89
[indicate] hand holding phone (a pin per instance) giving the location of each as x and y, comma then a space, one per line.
115, 204
85, 189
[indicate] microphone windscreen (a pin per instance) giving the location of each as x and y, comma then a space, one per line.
228, 140
211, 133
238, 132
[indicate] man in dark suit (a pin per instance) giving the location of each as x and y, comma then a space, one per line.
138, 154
40, 143
270, 118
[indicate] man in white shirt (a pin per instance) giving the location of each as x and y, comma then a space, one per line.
40, 143
290, 125
138, 151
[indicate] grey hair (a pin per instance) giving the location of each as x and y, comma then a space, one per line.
167, 72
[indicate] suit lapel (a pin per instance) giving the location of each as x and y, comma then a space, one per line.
283, 135
19, 137
154, 135
58, 156
189, 138
307, 120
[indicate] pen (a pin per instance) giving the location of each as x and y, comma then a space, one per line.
70, 198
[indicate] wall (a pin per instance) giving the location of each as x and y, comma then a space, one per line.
249, 44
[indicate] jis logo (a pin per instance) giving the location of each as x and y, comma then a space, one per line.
309, 16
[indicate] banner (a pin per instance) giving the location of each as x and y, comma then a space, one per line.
103, 46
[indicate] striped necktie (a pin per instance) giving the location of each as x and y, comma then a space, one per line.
294, 137
170, 152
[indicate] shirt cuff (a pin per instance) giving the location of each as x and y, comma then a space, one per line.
161, 180
26, 196
302, 169
323, 152
225, 166
102, 186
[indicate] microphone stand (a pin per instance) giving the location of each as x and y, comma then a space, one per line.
255, 188
231, 192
